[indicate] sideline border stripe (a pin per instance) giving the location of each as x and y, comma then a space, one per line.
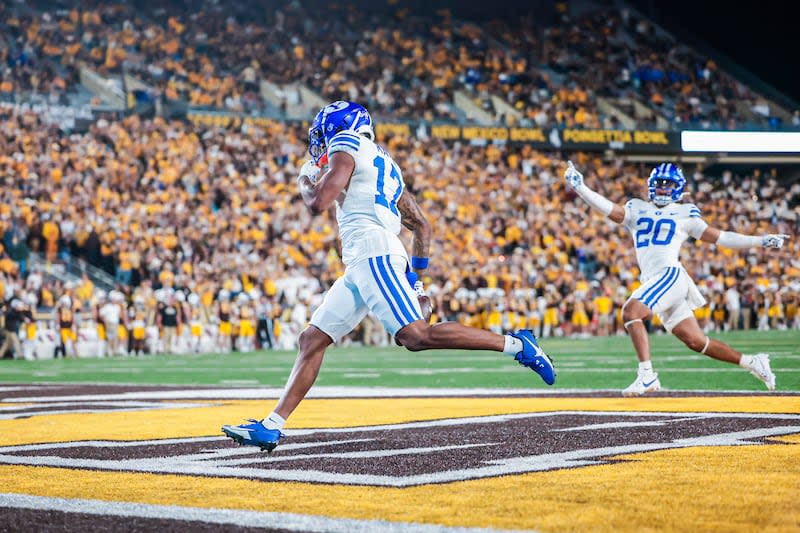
285, 521
261, 393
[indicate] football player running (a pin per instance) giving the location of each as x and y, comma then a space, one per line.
366, 187
659, 228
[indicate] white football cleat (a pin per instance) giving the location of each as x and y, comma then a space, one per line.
644, 383
762, 370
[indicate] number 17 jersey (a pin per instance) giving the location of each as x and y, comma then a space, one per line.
659, 232
368, 218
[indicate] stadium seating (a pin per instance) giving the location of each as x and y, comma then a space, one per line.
171, 207
599, 69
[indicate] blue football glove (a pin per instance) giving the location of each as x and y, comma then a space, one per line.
573, 177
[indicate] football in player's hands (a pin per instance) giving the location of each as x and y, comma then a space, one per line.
426, 306
311, 170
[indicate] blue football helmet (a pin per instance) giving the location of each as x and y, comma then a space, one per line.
333, 118
666, 176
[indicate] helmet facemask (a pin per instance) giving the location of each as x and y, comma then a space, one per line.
663, 191
316, 143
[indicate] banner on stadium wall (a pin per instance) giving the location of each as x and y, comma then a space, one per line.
642, 141
226, 120
544, 138
67, 117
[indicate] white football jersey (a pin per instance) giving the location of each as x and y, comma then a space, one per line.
110, 313
659, 232
369, 221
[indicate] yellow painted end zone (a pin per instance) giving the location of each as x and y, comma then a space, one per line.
742, 488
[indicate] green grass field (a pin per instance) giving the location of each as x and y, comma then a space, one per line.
601, 363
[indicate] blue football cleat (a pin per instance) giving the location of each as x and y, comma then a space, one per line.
534, 357
254, 434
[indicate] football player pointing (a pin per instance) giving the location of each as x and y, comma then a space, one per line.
659, 228
372, 203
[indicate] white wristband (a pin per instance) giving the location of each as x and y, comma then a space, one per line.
731, 239
596, 200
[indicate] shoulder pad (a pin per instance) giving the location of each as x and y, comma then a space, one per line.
635, 203
345, 141
692, 211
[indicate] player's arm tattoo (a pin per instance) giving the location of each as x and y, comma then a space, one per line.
415, 220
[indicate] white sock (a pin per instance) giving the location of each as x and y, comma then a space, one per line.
646, 367
273, 421
512, 345
746, 361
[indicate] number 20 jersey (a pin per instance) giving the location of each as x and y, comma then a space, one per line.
659, 232
368, 218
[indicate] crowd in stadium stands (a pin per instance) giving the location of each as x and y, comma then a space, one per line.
212, 249
398, 64
25, 69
